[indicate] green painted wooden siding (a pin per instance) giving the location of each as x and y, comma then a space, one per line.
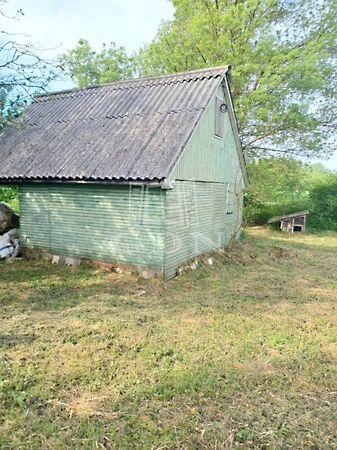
113, 223
208, 157
204, 210
196, 221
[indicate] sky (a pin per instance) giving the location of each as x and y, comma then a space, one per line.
330, 163
61, 23
57, 25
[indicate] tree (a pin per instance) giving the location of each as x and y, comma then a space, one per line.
23, 71
9, 108
284, 185
277, 186
87, 67
323, 199
283, 54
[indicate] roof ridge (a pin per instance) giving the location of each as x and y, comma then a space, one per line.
119, 84
92, 89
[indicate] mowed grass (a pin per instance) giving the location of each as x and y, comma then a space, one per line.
239, 355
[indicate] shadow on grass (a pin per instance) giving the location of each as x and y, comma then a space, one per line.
42, 286
10, 340
263, 268
22, 271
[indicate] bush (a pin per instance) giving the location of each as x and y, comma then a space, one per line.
282, 186
276, 187
324, 206
10, 195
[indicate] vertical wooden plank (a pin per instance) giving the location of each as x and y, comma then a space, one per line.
195, 213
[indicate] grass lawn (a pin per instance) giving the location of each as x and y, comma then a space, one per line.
239, 355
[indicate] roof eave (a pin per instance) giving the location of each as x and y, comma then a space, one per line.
152, 182
288, 216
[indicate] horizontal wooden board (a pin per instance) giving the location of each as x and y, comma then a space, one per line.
114, 223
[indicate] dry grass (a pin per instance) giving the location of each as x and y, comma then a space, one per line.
240, 355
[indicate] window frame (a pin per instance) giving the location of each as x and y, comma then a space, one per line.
219, 122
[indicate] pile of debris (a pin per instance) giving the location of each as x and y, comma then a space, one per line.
9, 233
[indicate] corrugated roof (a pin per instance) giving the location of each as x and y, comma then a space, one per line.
288, 216
127, 130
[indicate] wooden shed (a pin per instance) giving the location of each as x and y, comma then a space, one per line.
148, 172
291, 223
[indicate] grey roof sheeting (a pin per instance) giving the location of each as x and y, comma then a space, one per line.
288, 216
127, 130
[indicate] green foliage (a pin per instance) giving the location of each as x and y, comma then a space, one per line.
10, 106
284, 65
276, 187
87, 67
10, 195
4, 92
324, 205
284, 185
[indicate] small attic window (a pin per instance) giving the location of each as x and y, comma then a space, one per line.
219, 116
